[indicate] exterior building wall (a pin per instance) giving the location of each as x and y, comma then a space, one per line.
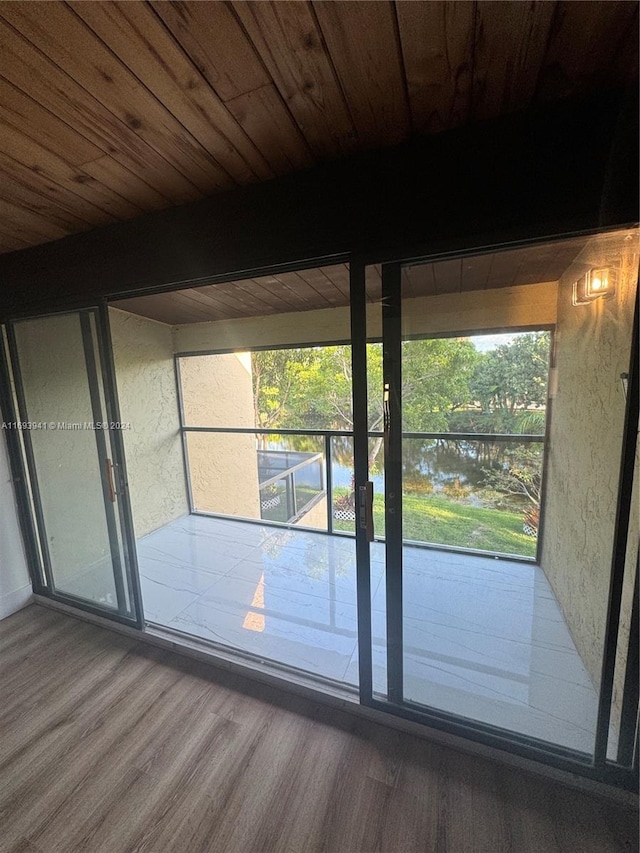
145, 376
592, 350
224, 467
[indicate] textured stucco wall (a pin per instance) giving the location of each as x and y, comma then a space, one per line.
145, 376
532, 304
592, 350
217, 391
627, 601
56, 390
15, 585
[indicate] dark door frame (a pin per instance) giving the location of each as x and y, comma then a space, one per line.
96, 341
598, 766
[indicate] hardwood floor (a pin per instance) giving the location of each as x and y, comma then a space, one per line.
111, 745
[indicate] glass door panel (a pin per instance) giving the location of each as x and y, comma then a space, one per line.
503, 382
245, 540
73, 460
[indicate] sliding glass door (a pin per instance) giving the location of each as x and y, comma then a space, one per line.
503, 390
465, 418
67, 422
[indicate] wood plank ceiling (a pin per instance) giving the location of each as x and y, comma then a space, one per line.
328, 287
109, 110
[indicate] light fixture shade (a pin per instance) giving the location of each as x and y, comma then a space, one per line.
598, 283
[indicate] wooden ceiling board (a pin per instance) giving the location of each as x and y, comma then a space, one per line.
201, 309
28, 69
250, 298
475, 272
503, 270
18, 219
583, 47
547, 263
338, 274
510, 44
52, 204
286, 293
89, 197
209, 304
112, 109
321, 281
294, 289
262, 115
128, 184
232, 298
313, 294
363, 42
270, 292
247, 298
437, 49
21, 111
290, 44
142, 43
262, 300
373, 282
178, 310
448, 276
12, 242
212, 34
49, 205
70, 44
418, 280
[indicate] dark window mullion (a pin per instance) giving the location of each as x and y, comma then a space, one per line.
392, 380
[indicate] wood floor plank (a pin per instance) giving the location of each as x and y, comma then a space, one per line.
169, 717
74, 655
113, 746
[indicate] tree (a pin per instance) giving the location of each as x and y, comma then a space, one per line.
436, 376
276, 384
306, 388
520, 474
511, 379
311, 388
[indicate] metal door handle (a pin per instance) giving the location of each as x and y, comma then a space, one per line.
386, 408
110, 483
365, 509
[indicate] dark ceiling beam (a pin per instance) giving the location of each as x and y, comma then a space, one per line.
561, 169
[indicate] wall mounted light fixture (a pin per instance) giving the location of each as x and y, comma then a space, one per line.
598, 283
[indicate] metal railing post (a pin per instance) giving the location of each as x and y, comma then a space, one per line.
328, 482
294, 500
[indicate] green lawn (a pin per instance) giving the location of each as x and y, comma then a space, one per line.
442, 521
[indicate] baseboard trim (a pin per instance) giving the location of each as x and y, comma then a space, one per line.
341, 700
11, 602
